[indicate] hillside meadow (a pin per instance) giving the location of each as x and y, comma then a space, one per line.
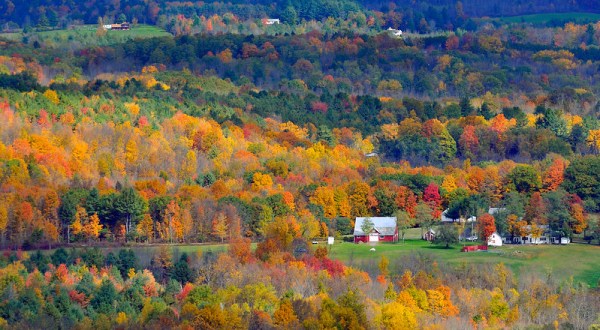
580, 18
582, 262
85, 36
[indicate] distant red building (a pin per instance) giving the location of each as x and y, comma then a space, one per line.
384, 230
474, 248
429, 235
122, 26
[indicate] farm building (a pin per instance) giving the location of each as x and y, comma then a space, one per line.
384, 229
122, 26
542, 237
429, 235
271, 21
446, 219
494, 240
394, 32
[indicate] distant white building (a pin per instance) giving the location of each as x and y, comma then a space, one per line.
542, 238
494, 240
394, 32
494, 210
271, 21
446, 219
561, 240
491, 210
122, 26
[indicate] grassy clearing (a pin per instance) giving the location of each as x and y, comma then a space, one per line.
544, 18
577, 260
84, 36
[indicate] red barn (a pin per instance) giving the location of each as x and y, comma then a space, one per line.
383, 229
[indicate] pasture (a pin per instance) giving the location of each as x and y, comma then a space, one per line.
580, 261
580, 18
85, 36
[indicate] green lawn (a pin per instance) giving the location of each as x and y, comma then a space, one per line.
577, 260
84, 36
543, 18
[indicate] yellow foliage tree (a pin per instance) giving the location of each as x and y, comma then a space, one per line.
51, 96
93, 227
261, 181
285, 317
173, 218
219, 226
593, 140
324, 197
397, 316
121, 318
80, 219
132, 108
189, 166
146, 227
131, 151
3, 219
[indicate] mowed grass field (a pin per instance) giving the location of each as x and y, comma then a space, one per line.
85, 35
578, 260
544, 18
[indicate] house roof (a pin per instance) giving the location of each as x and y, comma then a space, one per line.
383, 225
446, 218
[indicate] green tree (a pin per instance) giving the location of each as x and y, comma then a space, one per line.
582, 177
366, 226
182, 272
289, 15
68, 208
43, 22
486, 111
516, 113
324, 134
131, 206
423, 216
466, 109
105, 298
524, 178
404, 222
127, 260
551, 119
446, 235
386, 202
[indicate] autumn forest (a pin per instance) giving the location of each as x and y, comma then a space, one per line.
181, 164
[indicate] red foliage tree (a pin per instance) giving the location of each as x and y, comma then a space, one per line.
487, 226
431, 196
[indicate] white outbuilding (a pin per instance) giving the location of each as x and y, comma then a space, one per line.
494, 240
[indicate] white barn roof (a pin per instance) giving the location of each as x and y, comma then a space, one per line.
383, 225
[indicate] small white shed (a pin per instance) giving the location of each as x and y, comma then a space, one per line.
494, 240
